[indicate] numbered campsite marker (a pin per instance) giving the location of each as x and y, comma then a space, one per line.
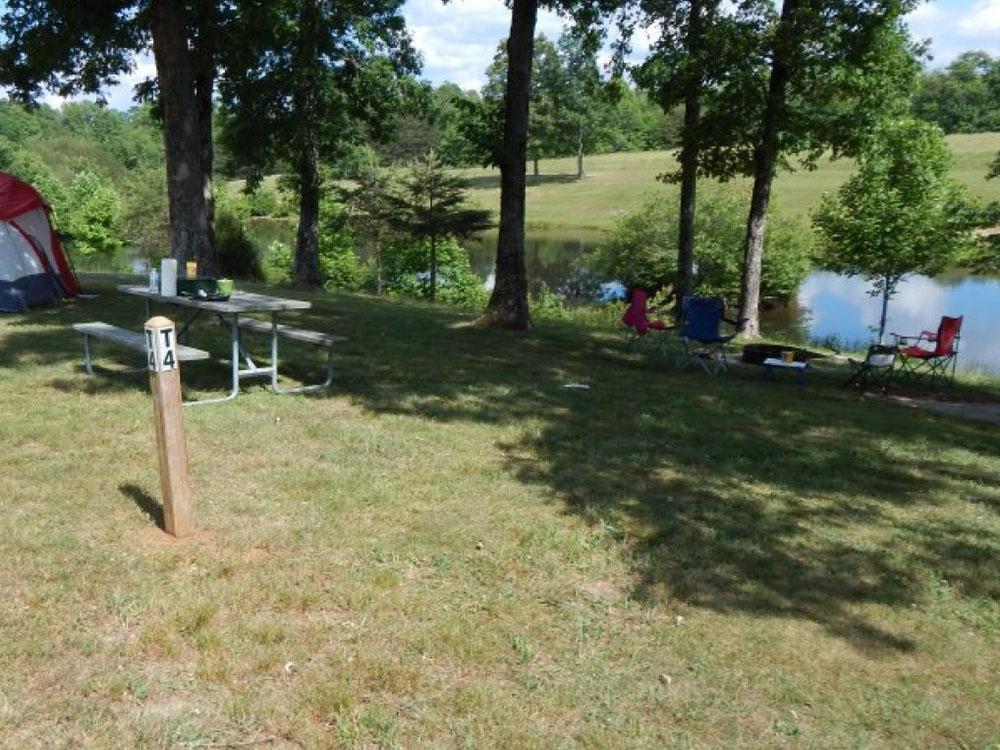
161, 345
171, 442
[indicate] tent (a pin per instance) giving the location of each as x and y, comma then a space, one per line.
33, 266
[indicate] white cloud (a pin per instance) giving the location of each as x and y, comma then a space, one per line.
458, 40
983, 19
955, 26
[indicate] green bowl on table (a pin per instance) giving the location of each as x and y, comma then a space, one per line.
224, 287
203, 288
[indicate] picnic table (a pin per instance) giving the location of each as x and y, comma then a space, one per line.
228, 312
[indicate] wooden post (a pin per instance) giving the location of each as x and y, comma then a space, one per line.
171, 443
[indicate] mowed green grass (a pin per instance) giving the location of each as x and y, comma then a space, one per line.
452, 549
616, 184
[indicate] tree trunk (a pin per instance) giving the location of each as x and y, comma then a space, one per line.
534, 171
579, 154
377, 259
306, 108
183, 133
765, 158
434, 268
204, 57
508, 306
887, 288
689, 165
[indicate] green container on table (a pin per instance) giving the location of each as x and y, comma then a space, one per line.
197, 287
224, 286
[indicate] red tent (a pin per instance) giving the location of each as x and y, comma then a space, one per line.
33, 265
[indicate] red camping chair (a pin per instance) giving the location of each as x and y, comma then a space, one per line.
639, 324
937, 365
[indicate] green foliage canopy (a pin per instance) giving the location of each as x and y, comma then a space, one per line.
901, 212
964, 97
642, 249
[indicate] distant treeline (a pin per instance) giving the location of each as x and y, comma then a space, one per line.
964, 97
575, 109
103, 169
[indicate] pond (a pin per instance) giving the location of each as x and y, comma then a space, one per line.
829, 308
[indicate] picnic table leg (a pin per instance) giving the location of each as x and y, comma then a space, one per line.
234, 363
234, 351
274, 352
86, 355
274, 364
182, 333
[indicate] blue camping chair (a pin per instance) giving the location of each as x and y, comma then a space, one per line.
701, 319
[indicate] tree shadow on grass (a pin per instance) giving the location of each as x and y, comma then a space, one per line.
779, 504
734, 494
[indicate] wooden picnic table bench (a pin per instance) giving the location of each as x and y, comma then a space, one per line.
128, 339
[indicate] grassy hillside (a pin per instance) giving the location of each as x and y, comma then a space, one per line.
617, 182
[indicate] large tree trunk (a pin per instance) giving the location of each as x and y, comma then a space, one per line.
377, 259
765, 158
190, 235
689, 164
579, 154
307, 239
434, 268
889, 283
204, 58
508, 304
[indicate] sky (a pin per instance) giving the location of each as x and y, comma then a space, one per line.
457, 40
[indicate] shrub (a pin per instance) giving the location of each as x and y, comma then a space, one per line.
262, 202
339, 266
406, 272
92, 217
549, 305
642, 250
278, 263
230, 201
237, 254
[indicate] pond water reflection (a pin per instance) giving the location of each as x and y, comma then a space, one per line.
829, 307
836, 306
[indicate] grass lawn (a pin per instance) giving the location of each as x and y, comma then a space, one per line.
451, 549
617, 183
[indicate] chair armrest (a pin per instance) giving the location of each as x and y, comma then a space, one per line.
739, 323
902, 340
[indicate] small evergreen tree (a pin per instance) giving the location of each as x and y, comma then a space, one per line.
900, 213
432, 206
371, 207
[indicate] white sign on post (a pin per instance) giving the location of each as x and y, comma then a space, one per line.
161, 349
